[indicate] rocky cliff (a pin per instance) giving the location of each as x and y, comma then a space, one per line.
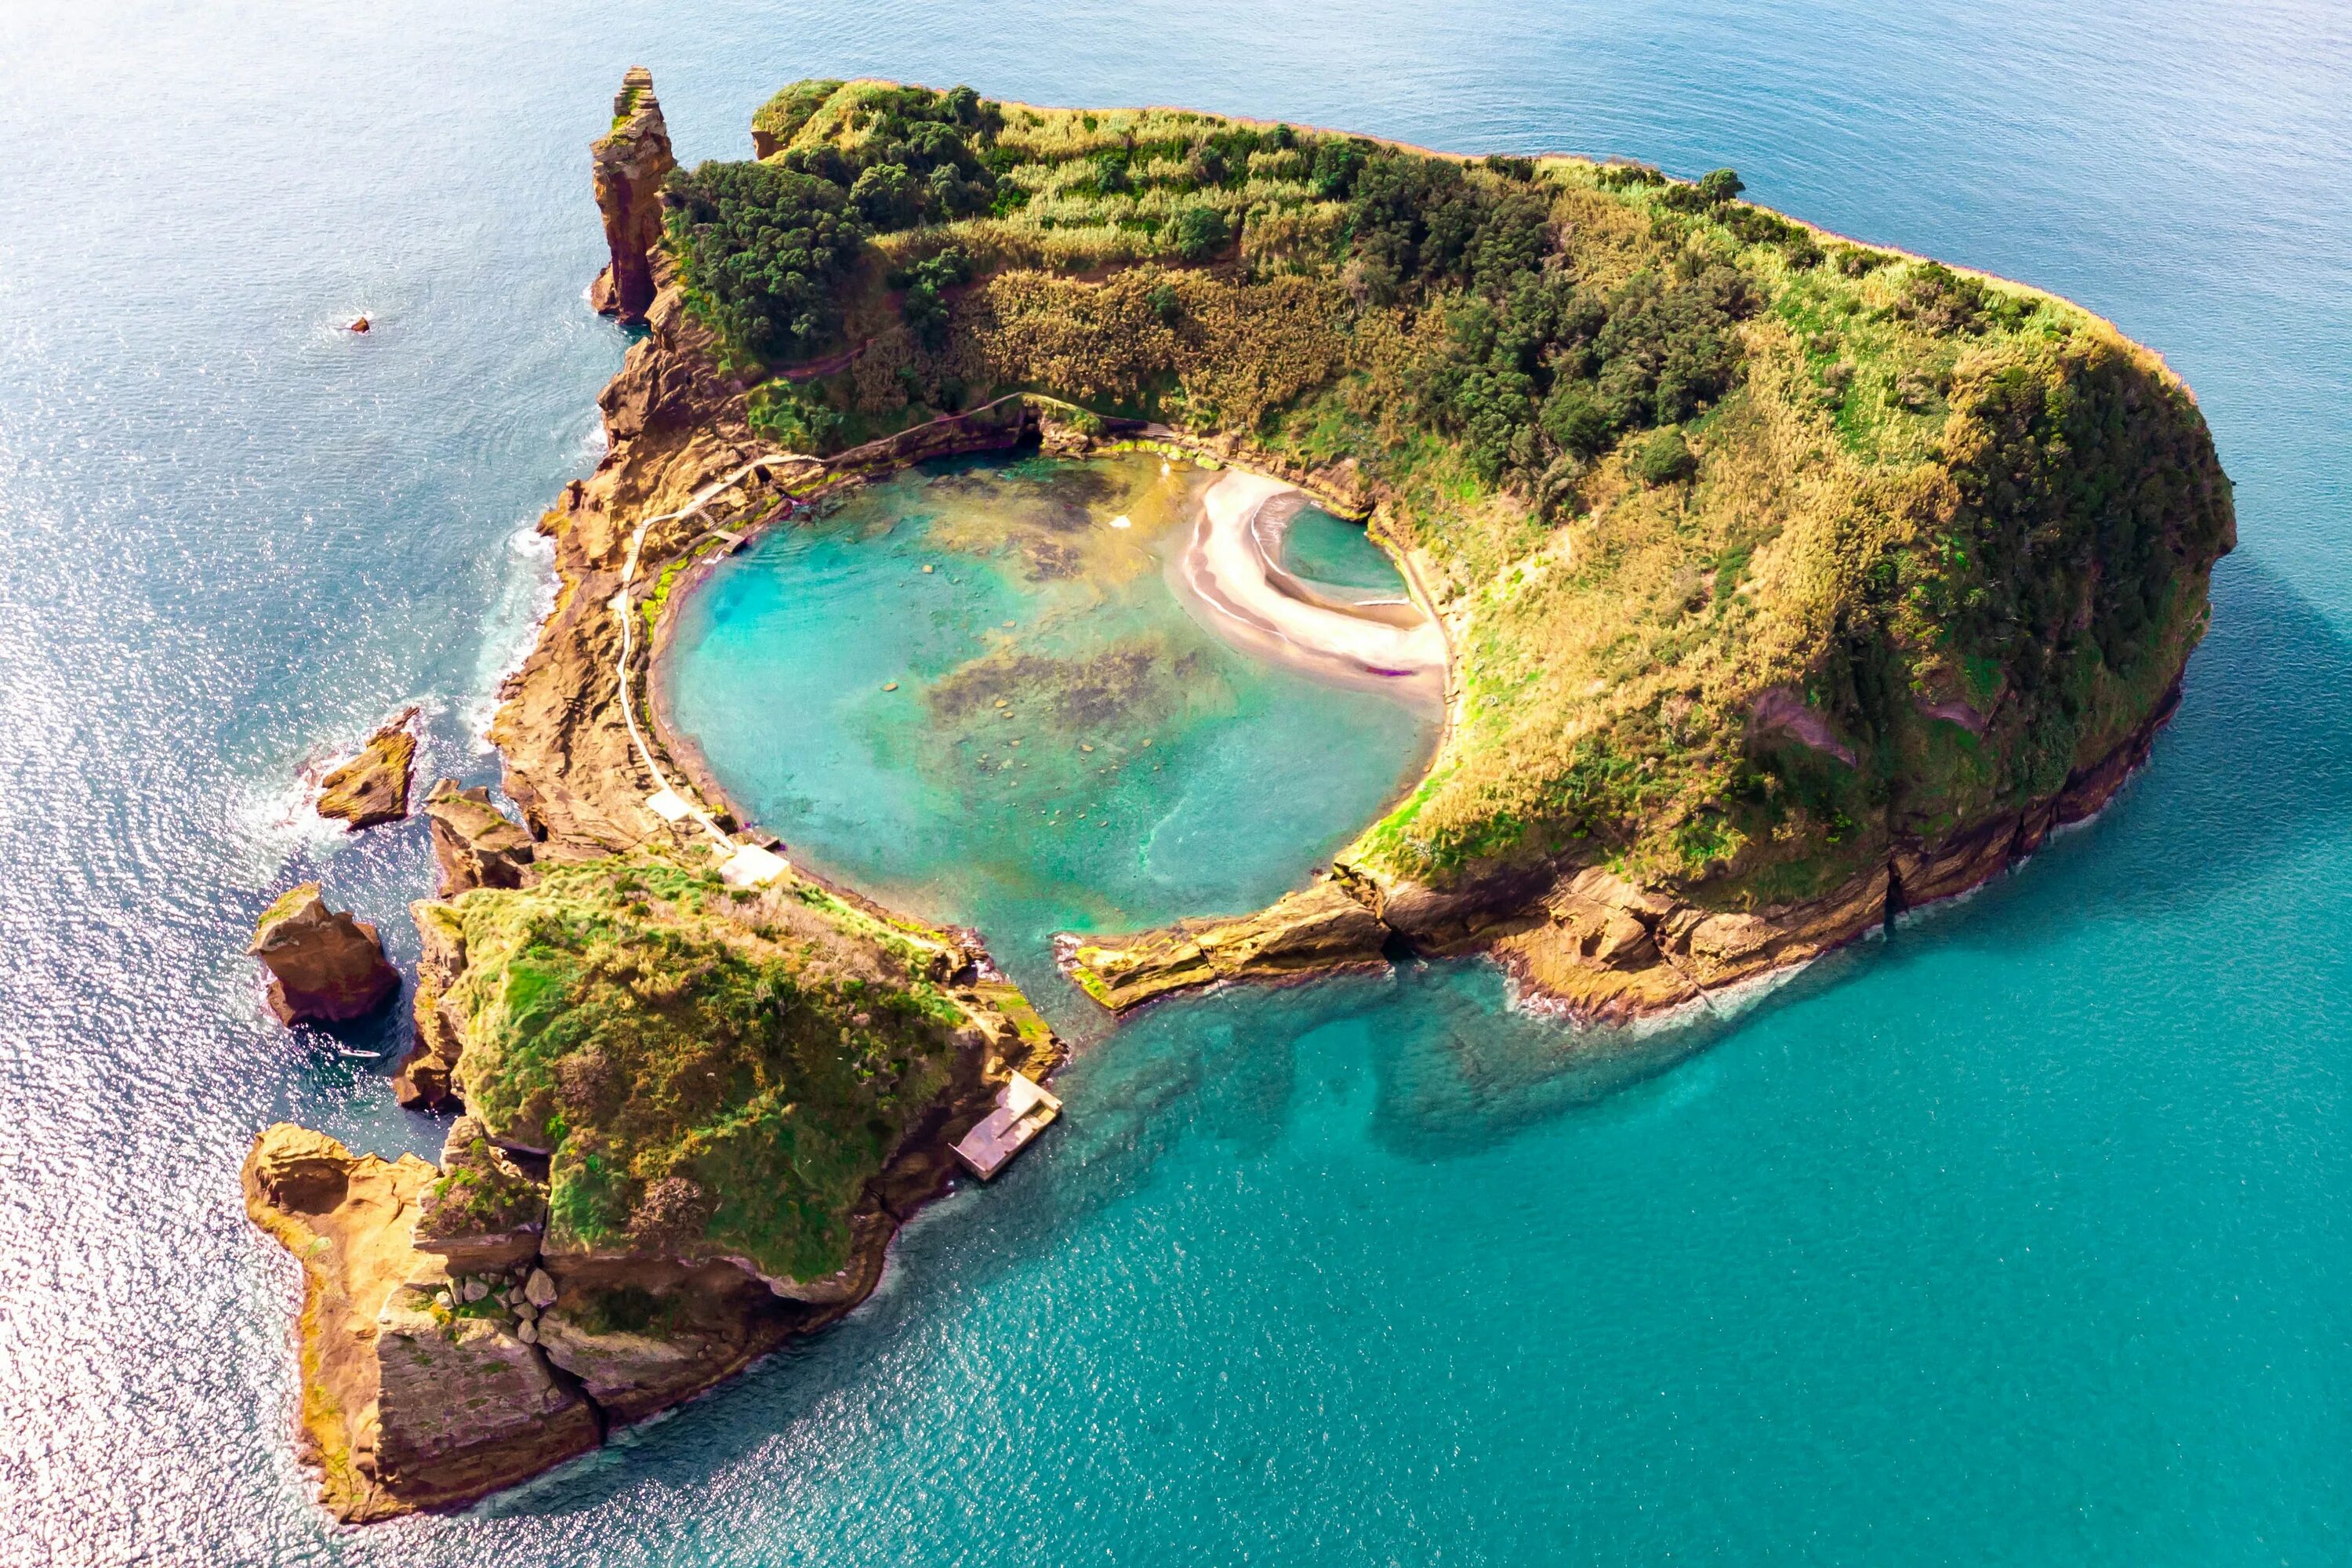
629, 162
420, 1386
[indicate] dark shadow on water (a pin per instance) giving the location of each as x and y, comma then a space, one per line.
2256, 765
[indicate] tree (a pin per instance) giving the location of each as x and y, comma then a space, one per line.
768, 246
1718, 187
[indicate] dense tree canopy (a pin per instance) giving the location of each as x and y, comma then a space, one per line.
767, 247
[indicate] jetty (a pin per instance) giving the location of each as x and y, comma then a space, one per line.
1022, 1110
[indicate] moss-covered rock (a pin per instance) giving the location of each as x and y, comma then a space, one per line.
709, 1073
482, 1211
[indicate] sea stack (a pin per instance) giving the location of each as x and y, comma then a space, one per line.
324, 967
372, 787
631, 161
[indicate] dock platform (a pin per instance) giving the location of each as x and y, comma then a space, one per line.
1022, 1110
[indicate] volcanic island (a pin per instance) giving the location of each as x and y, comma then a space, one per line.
1770, 585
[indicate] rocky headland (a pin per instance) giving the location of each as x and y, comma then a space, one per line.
693, 1114
1783, 584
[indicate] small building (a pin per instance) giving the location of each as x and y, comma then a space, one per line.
751, 867
1022, 1110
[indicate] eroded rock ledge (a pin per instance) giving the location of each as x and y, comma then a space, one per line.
1597, 947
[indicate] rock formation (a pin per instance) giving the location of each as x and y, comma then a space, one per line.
630, 162
427, 1077
422, 1387
1320, 929
474, 843
462, 1332
372, 787
324, 967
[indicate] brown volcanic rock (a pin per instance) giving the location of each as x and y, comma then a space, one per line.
324, 967
372, 787
1321, 929
630, 162
409, 1401
427, 1077
642, 1333
474, 844
483, 1212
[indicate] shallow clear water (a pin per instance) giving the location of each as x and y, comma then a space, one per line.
973, 691
1324, 549
2016, 1239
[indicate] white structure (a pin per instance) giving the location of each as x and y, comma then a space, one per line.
1022, 1110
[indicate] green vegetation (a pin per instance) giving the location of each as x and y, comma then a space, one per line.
1713, 501
479, 1193
712, 1074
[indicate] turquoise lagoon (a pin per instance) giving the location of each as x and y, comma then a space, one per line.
972, 690
2017, 1238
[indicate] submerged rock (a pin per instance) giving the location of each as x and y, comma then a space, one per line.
372, 787
325, 967
474, 843
409, 1401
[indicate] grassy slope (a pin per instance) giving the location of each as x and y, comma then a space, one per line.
1919, 491
717, 1074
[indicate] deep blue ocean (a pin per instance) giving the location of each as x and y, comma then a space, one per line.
2020, 1237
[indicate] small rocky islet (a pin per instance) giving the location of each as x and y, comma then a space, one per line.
1785, 583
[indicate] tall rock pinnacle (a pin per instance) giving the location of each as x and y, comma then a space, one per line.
631, 161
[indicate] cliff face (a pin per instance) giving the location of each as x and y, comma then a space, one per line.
418, 1392
630, 161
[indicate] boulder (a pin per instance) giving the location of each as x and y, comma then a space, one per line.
474, 843
324, 967
372, 787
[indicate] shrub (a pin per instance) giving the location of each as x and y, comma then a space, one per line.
1198, 232
1627, 176
1662, 457
1718, 187
1205, 166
